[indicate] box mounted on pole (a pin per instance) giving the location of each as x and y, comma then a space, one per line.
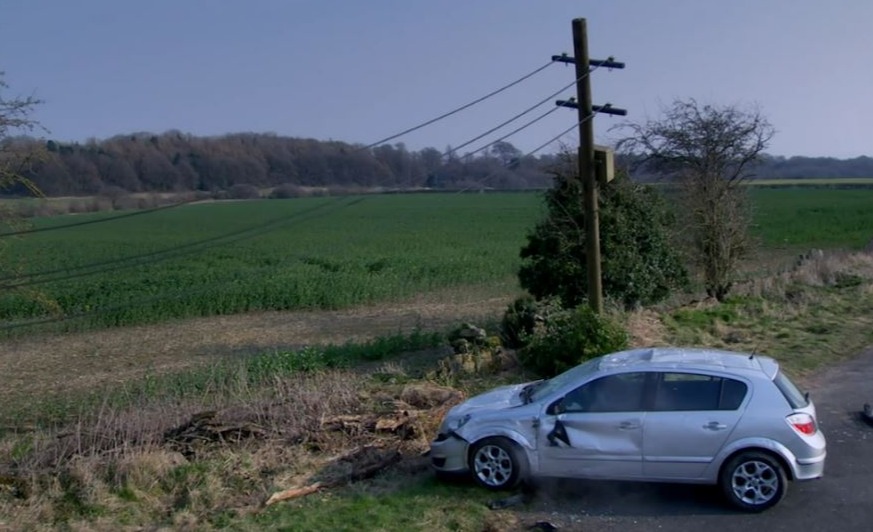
604, 164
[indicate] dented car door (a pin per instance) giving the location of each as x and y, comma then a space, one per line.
596, 430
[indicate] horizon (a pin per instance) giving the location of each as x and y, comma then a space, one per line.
354, 72
764, 154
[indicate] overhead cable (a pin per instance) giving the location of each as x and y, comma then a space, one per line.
457, 110
526, 111
97, 220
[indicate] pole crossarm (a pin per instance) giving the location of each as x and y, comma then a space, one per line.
609, 62
607, 109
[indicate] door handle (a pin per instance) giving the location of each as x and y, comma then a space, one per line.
627, 425
715, 425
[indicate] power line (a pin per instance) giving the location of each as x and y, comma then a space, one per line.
101, 267
143, 301
514, 131
187, 248
98, 220
166, 253
459, 109
37, 278
535, 150
562, 133
526, 111
108, 310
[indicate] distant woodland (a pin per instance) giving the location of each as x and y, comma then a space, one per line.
175, 162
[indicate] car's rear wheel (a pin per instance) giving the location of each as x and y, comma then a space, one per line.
754, 481
498, 463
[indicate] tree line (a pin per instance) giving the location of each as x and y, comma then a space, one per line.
775, 167
175, 161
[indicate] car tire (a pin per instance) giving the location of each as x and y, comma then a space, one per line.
753, 481
498, 463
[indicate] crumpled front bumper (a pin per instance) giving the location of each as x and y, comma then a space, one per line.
448, 453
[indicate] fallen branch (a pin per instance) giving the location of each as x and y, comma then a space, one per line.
204, 428
363, 472
293, 493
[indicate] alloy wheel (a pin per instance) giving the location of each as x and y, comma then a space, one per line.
493, 465
755, 482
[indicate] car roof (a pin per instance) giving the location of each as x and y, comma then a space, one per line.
689, 358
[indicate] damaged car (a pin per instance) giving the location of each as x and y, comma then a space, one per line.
676, 415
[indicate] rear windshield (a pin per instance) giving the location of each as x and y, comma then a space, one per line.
790, 391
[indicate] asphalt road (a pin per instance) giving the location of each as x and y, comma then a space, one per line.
841, 501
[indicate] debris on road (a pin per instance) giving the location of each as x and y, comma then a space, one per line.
867, 414
514, 500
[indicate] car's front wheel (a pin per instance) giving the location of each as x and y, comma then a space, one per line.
498, 463
754, 481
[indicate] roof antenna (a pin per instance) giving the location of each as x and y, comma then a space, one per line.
754, 350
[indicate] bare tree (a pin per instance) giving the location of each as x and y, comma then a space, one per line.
16, 154
709, 151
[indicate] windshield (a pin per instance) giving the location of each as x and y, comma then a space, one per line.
547, 387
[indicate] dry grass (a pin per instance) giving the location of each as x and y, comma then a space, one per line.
40, 366
123, 467
815, 312
116, 469
815, 269
646, 329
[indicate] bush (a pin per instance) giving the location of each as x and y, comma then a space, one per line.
567, 338
287, 191
242, 191
518, 321
522, 316
640, 264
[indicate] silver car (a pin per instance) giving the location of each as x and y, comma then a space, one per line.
663, 414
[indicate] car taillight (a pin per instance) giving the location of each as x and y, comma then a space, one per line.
802, 423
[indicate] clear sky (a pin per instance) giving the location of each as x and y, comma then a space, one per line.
360, 70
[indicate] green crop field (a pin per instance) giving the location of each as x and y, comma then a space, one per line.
834, 182
223, 258
813, 218
315, 253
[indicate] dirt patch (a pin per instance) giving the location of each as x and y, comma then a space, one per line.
58, 363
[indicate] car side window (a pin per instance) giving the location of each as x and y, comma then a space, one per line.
614, 393
732, 394
695, 392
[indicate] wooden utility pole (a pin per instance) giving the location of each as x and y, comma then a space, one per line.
586, 164
586, 158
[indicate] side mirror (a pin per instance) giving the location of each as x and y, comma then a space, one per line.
556, 408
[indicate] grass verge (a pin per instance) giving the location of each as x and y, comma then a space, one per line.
819, 311
121, 458
228, 375
410, 502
